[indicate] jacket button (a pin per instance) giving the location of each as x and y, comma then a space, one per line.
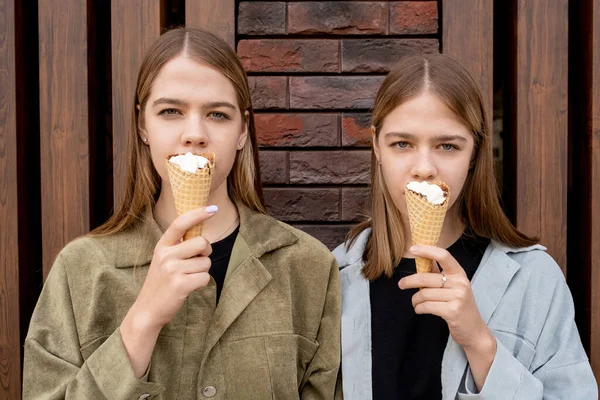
144, 396
209, 391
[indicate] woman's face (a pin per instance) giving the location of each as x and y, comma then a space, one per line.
192, 107
423, 140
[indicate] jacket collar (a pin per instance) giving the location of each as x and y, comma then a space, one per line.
135, 246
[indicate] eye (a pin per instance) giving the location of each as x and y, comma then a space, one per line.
218, 116
401, 145
448, 147
169, 112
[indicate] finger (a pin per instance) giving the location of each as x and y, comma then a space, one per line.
197, 246
196, 281
195, 265
439, 308
444, 259
424, 280
185, 222
429, 294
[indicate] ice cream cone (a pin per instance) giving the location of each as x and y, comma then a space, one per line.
191, 190
426, 220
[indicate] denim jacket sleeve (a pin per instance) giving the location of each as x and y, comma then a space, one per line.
559, 368
54, 367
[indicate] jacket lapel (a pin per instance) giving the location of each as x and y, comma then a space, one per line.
258, 235
248, 280
356, 322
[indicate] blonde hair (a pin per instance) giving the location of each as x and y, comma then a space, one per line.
478, 203
142, 185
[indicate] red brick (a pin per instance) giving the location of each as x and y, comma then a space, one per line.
330, 235
329, 167
378, 55
413, 17
354, 201
274, 167
333, 92
268, 92
275, 55
261, 18
300, 130
299, 204
356, 130
338, 17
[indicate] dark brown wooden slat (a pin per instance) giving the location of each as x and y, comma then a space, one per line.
135, 25
64, 140
10, 363
541, 122
216, 16
467, 36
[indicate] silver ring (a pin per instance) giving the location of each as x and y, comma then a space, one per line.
444, 279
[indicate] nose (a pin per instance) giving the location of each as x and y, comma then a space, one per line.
194, 133
423, 168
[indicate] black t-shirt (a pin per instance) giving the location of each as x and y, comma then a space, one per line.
221, 253
407, 348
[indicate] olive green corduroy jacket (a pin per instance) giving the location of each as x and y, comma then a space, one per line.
275, 333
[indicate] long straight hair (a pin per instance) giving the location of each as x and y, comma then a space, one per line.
142, 185
478, 203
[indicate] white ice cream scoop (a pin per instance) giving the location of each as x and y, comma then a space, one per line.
432, 192
189, 162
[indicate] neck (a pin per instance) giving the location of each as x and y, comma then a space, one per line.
214, 228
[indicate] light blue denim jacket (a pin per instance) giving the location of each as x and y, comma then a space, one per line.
524, 299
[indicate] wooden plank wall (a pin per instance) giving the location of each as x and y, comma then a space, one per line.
217, 16
584, 172
57, 58
64, 141
10, 337
140, 19
473, 22
541, 122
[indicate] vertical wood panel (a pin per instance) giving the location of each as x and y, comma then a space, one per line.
135, 25
595, 190
541, 98
216, 16
63, 124
467, 36
10, 363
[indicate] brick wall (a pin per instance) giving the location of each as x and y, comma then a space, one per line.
314, 68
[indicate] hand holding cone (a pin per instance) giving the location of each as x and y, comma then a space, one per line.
426, 220
191, 190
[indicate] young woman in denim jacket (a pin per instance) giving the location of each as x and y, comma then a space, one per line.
497, 322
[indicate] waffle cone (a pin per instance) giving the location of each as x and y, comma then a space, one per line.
426, 220
191, 190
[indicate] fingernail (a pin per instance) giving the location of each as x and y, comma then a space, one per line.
211, 209
414, 248
400, 284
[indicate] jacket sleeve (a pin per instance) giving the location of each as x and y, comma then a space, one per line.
54, 367
559, 369
322, 373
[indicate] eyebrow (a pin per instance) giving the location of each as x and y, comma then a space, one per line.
177, 102
438, 138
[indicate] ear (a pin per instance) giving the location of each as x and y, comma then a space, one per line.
245, 130
140, 126
375, 144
